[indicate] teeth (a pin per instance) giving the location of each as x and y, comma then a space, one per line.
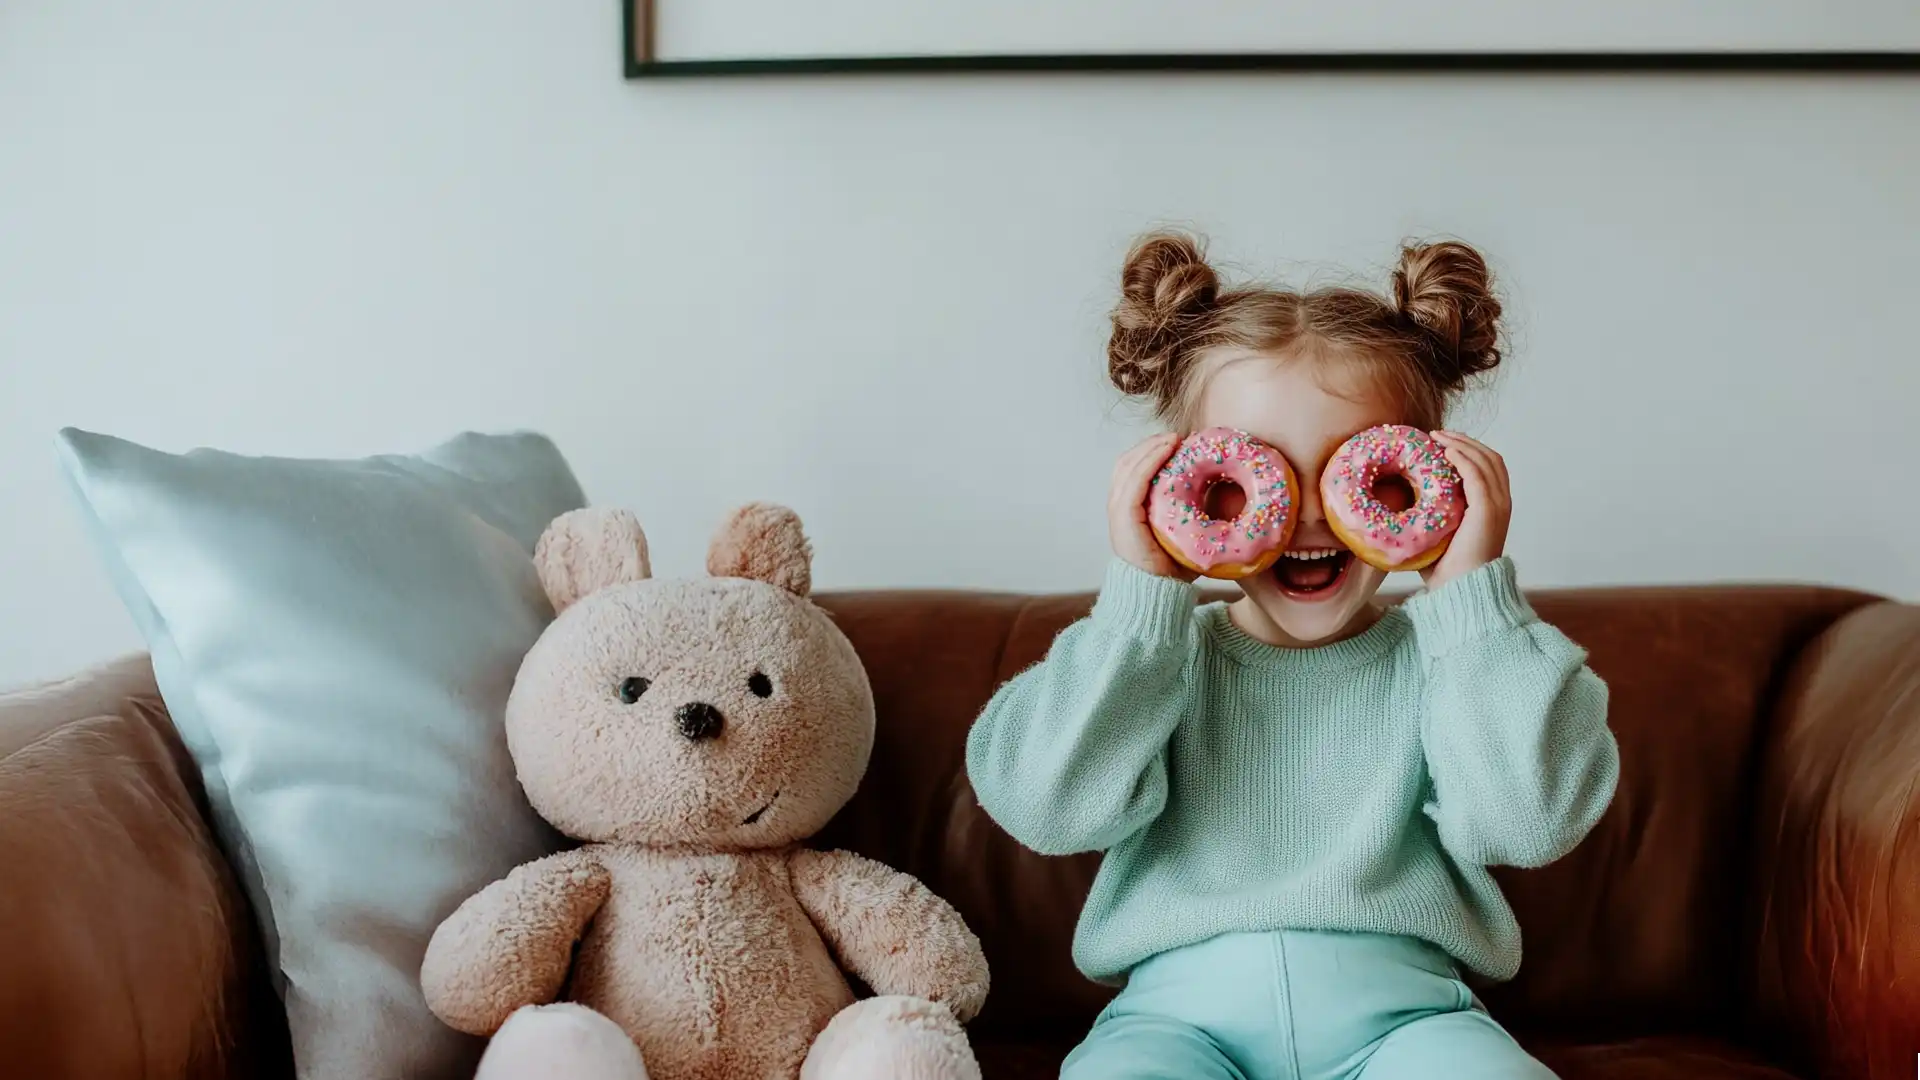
1313, 553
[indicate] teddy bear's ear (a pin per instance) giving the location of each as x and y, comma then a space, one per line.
590, 549
763, 542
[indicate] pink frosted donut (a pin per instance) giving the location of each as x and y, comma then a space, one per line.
1217, 548
1393, 540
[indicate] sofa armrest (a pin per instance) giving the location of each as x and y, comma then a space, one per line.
126, 947
1838, 859
28, 714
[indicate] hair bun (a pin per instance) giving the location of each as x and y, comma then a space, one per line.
1446, 291
1167, 290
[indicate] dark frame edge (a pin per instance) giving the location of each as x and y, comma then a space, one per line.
1321, 63
638, 62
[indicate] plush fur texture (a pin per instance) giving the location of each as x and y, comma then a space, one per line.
765, 543
512, 943
589, 549
561, 1042
693, 733
904, 1038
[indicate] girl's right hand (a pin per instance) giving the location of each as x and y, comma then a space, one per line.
1127, 527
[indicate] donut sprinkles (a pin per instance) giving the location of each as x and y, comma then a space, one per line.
1218, 547
1393, 540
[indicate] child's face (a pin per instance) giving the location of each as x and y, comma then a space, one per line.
1301, 602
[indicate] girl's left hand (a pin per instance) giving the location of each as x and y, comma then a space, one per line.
1482, 537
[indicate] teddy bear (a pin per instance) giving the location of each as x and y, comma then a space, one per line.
691, 734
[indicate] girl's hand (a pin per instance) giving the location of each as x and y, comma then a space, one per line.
1482, 537
1127, 526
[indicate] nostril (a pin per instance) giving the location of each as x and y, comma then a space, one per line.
699, 720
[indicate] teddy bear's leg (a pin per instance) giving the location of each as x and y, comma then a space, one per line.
560, 1042
892, 1038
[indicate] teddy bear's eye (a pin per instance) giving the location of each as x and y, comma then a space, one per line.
760, 684
632, 687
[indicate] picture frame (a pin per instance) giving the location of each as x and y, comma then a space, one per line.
681, 38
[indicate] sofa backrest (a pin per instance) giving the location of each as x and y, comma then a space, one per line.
1640, 929
1647, 927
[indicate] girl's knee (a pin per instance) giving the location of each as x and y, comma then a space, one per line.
1143, 1047
1469, 1045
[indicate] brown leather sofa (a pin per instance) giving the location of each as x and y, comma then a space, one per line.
1749, 908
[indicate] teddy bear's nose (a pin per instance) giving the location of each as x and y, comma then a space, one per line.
699, 720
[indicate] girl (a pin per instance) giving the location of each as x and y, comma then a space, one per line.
1299, 793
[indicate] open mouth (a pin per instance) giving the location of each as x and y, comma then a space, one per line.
762, 812
1312, 573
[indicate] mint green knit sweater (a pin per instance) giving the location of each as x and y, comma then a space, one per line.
1362, 786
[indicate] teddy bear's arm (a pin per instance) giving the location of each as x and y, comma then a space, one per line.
891, 930
511, 943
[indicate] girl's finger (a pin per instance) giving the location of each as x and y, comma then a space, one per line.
1462, 450
1498, 481
1123, 468
1124, 464
1129, 461
1140, 477
1450, 435
1473, 476
1154, 455
1134, 473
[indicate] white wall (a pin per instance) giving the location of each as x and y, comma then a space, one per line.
350, 227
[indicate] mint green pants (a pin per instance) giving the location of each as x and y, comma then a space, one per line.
1297, 1005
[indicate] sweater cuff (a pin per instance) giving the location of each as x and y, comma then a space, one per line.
1483, 601
1142, 605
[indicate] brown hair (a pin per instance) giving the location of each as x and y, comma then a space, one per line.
1440, 329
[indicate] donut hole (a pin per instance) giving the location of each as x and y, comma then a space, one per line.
1393, 492
1223, 500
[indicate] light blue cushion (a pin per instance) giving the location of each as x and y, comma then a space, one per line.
335, 641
